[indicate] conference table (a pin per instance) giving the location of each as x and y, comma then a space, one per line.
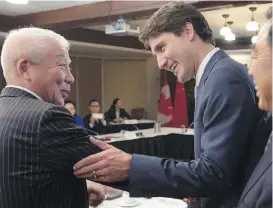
168, 143
172, 143
129, 125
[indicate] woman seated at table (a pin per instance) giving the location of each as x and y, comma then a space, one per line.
94, 120
71, 106
116, 113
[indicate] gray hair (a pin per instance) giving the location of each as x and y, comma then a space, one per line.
31, 43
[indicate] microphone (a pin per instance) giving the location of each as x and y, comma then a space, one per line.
135, 127
191, 125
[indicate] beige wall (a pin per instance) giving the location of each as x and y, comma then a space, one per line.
2, 79
88, 82
125, 79
134, 81
153, 88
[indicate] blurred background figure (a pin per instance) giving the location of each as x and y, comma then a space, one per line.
94, 120
71, 106
116, 112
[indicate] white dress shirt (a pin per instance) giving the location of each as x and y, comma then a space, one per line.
27, 90
204, 64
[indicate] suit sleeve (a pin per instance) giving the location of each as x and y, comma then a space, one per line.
86, 121
228, 109
62, 142
125, 114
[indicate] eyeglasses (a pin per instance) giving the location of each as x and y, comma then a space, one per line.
95, 106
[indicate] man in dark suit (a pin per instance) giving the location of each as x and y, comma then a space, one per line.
258, 191
96, 125
226, 124
40, 141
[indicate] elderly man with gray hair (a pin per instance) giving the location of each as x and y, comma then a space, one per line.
39, 139
258, 191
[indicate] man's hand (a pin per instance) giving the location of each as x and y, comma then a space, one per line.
110, 165
96, 193
190, 200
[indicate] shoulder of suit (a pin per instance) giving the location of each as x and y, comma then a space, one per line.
87, 116
228, 68
42, 107
229, 63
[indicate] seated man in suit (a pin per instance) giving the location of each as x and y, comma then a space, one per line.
258, 191
40, 141
97, 125
227, 121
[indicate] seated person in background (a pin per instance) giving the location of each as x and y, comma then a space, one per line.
116, 113
91, 121
71, 106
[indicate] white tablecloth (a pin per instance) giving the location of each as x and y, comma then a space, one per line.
147, 133
157, 202
143, 121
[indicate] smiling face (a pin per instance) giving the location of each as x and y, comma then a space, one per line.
174, 53
50, 79
261, 69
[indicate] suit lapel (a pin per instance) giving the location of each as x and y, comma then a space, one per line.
262, 166
214, 59
198, 89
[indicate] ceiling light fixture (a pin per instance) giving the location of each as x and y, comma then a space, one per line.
225, 30
254, 38
252, 25
18, 1
230, 36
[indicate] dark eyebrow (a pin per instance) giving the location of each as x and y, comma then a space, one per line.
159, 46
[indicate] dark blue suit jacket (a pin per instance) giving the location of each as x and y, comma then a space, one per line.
227, 120
258, 191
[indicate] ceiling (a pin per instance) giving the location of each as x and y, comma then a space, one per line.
239, 15
38, 6
92, 50
106, 51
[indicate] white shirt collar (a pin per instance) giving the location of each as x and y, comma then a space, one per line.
27, 90
204, 64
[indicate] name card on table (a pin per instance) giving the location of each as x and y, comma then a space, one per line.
131, 121
128, 135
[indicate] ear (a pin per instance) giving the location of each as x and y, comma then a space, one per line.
189, 31
23, 68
